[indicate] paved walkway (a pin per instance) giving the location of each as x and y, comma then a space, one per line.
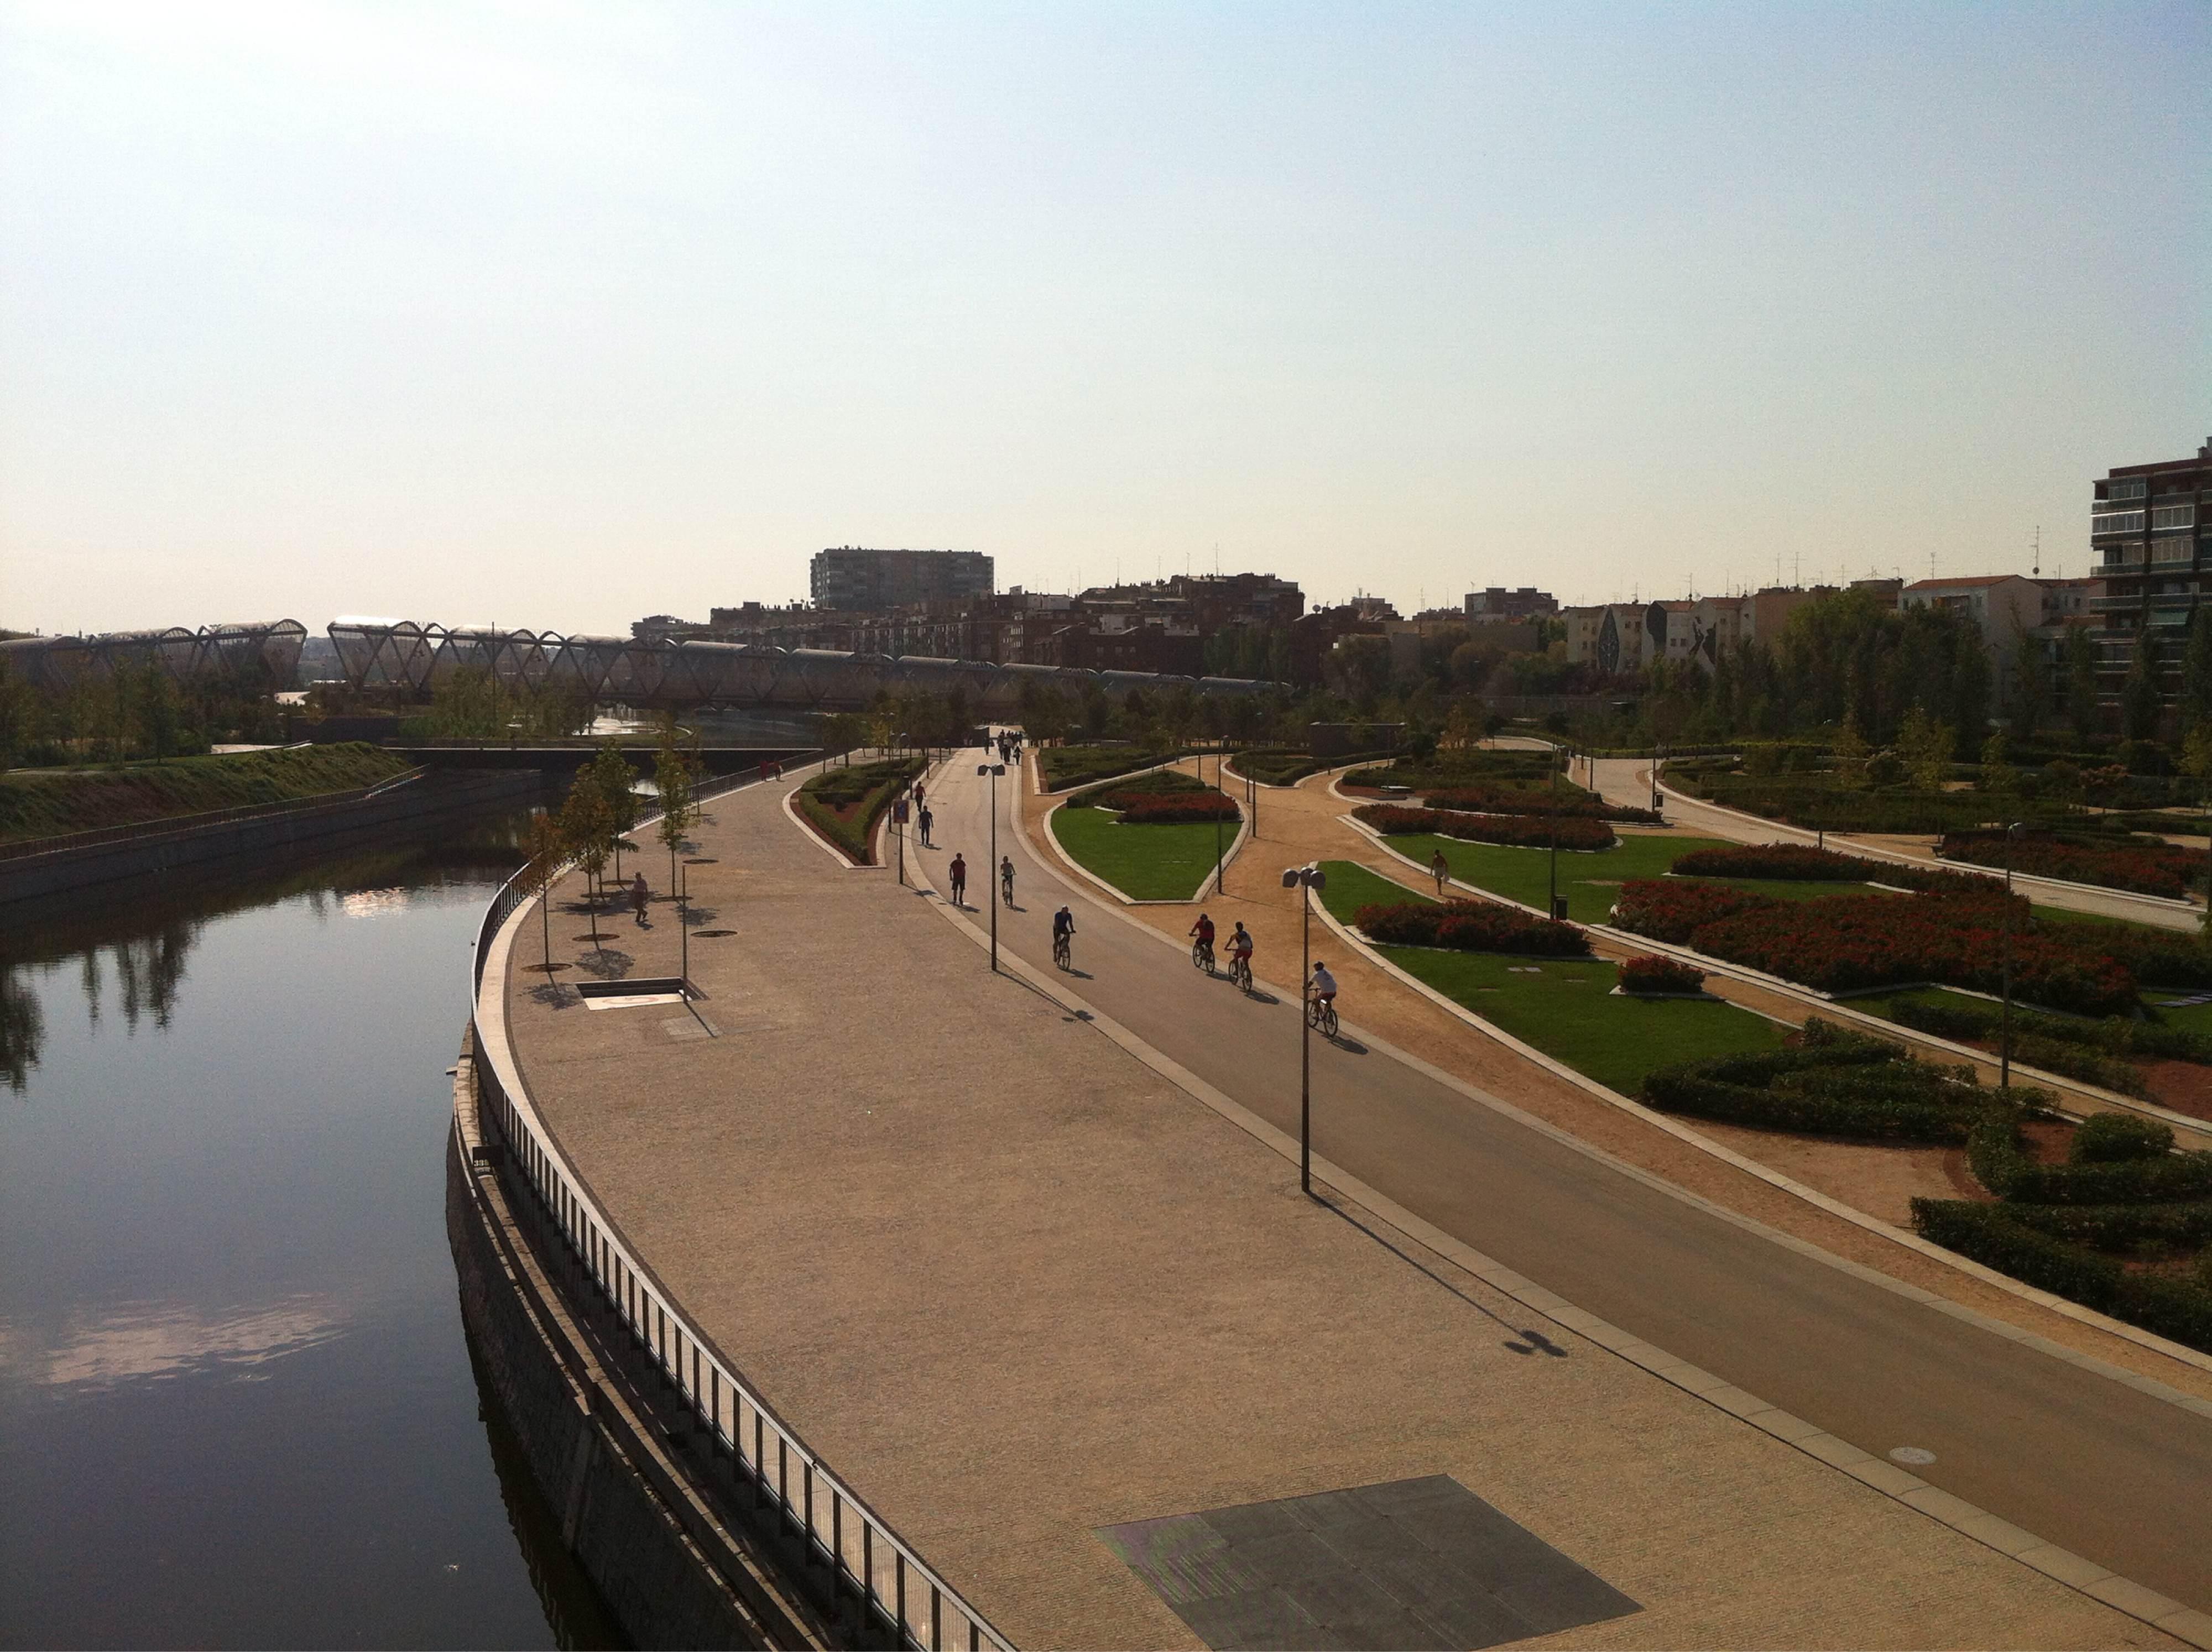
1017, 1288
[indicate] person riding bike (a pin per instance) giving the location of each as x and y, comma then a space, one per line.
1007, 879
1322, 989
1063, 935
1240, 951
1203, 929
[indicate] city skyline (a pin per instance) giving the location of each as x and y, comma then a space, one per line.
324, 310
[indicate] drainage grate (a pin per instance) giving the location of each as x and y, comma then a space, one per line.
1421, 1564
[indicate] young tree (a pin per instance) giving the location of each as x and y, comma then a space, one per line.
610, 773
587, 833
671, 776
540, 872
2081, 682
1851, 753
2031, 685
1925, 745
2139, 693
1998, 777
2196, 672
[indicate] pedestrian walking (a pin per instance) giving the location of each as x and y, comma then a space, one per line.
1440, 869
959, 870
926, 821
639, 895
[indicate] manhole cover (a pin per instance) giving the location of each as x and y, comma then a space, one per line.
1917, 1456
711, 934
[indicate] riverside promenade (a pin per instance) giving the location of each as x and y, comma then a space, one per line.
1039, 1306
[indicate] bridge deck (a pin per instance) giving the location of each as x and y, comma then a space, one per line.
1018, 1289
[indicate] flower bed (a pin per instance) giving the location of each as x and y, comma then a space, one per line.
1511, 800
844, 804
1470, 926
1519, 831
2146, 868
1842, 943
1803, 864
1649, 974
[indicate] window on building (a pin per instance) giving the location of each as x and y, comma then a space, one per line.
2116, 522
2173, 551
2131, 489
2174, 516
2125, 555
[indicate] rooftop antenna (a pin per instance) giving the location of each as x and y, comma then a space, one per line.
1932, 561
1796, 570
2038, 550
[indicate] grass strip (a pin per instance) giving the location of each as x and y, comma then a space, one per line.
1146, 863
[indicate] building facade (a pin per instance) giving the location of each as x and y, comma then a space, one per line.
850, 577
1496, 602
2147, 533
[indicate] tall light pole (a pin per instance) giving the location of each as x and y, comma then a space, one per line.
2013, 833
1217, 819
1305, 879
994, 770
1553, 909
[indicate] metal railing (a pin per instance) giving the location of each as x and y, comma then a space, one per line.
169, 824
866, 1563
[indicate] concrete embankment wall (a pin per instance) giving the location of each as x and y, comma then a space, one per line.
671, 1571
317, 825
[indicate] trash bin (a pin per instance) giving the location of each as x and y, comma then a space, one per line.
1559, 907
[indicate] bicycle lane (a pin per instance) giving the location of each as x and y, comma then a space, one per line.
2078, 1457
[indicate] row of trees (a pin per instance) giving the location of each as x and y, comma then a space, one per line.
135, 712
601, 810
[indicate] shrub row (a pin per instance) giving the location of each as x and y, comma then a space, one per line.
1463, 769
2072, 1048
2147, 868
2120, 1227
1470, 926
1650, 973
842, 787
1508, 800
868, 788
1994, 1235
2000, 1165
1079, 765
1837, 1084
1159, 782
1276, 766
2114, 1035
1519, 831
1803, 863
1841, 944
2153, 959
1176, 809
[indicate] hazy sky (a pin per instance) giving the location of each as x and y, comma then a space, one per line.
558, 315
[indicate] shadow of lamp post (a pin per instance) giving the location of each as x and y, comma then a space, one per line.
1305, 879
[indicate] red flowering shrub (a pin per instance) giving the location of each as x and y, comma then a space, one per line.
1650, 973
1172, 808
1470, 926
1508, 800
2145, 866
1670, 910
1523, 831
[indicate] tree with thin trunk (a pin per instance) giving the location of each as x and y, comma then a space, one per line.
2081, 682
587, 833
2139, 693
540, 872
672, 775
610, 773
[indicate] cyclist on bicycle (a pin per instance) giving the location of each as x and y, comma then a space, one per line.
1007, 879
1240, 944
1063, 930
1203, 929
1322, 989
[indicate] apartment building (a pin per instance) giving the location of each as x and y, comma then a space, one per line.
851, 577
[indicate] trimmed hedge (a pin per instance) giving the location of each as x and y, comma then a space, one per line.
2120, 1138
1175, 809
1159, 782
1517, 831
1064, 766
1839, 1084
1652, 973
1470, 926
2074, 1049
2120, 1227
870, 785
1994, 1151
1508, 800
1994, 1236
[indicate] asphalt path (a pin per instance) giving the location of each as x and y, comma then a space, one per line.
2076, 1457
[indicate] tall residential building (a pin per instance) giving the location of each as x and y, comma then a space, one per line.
2147, 533
849, 577
1496, 602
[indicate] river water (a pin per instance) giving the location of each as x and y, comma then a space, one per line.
237, 1404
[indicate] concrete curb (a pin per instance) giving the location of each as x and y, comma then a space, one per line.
2170, 1617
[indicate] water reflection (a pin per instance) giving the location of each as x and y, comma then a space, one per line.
237, 1406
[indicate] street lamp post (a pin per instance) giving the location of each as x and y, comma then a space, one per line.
1305, 879
2013, 833
1217, 820
994, 770
1552, 907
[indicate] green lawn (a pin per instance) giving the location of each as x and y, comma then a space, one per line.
1146, 863
1565, 1007
1591, 882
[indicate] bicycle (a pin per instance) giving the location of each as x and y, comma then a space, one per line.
1006, 889
1063, 952
1240, 972
1320, 1015
1201, 957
